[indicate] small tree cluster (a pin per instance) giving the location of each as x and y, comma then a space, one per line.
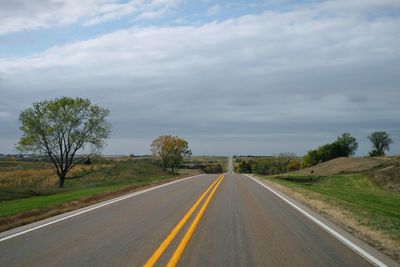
171, 150
280, 163
344, 146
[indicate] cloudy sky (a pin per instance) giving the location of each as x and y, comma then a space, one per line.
231, 77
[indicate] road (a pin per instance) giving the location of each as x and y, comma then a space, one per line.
242, 224
230, 164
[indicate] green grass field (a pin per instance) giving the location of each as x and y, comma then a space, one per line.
370, 204
16, 206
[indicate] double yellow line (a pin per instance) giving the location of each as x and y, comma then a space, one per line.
182, 245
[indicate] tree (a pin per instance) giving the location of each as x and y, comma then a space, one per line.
380, 142
344, 146
347, 145
60, 128
281, 161
171, 150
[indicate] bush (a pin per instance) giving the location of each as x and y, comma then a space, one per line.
293, 165
212, 168
245, 167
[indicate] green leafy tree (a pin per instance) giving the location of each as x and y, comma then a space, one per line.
171, 150
381, 142
60, 128
344, 146
311, 158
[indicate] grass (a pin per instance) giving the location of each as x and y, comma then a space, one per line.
370, 204
12, 207
17, 195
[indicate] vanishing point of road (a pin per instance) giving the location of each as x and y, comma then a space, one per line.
208, 220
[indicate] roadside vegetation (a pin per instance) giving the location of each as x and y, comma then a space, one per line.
30, 187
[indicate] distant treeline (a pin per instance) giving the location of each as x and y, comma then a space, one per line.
281, 163
211, 166
344, 146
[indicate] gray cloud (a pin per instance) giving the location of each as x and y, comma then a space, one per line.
279, 81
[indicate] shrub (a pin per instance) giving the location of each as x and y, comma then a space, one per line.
212, 168
293, 165
245, 167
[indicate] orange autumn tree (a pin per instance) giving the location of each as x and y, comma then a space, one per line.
171, 150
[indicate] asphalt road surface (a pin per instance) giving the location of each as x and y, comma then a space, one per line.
236, 223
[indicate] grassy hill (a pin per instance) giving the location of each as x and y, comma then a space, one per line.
385, 171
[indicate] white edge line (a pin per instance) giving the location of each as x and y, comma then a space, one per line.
335, 234
108, 202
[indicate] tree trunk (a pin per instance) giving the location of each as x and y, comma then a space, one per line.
61, 181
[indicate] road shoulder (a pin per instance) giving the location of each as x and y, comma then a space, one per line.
342, 232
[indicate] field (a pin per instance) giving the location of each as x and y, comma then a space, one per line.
349, 192
29, 189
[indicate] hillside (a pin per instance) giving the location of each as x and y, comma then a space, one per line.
383, 170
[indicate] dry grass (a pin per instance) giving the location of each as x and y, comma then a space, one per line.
37, 175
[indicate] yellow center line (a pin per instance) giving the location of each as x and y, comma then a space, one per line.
182, 245
160, 250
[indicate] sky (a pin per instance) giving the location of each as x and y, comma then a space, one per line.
231, 77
